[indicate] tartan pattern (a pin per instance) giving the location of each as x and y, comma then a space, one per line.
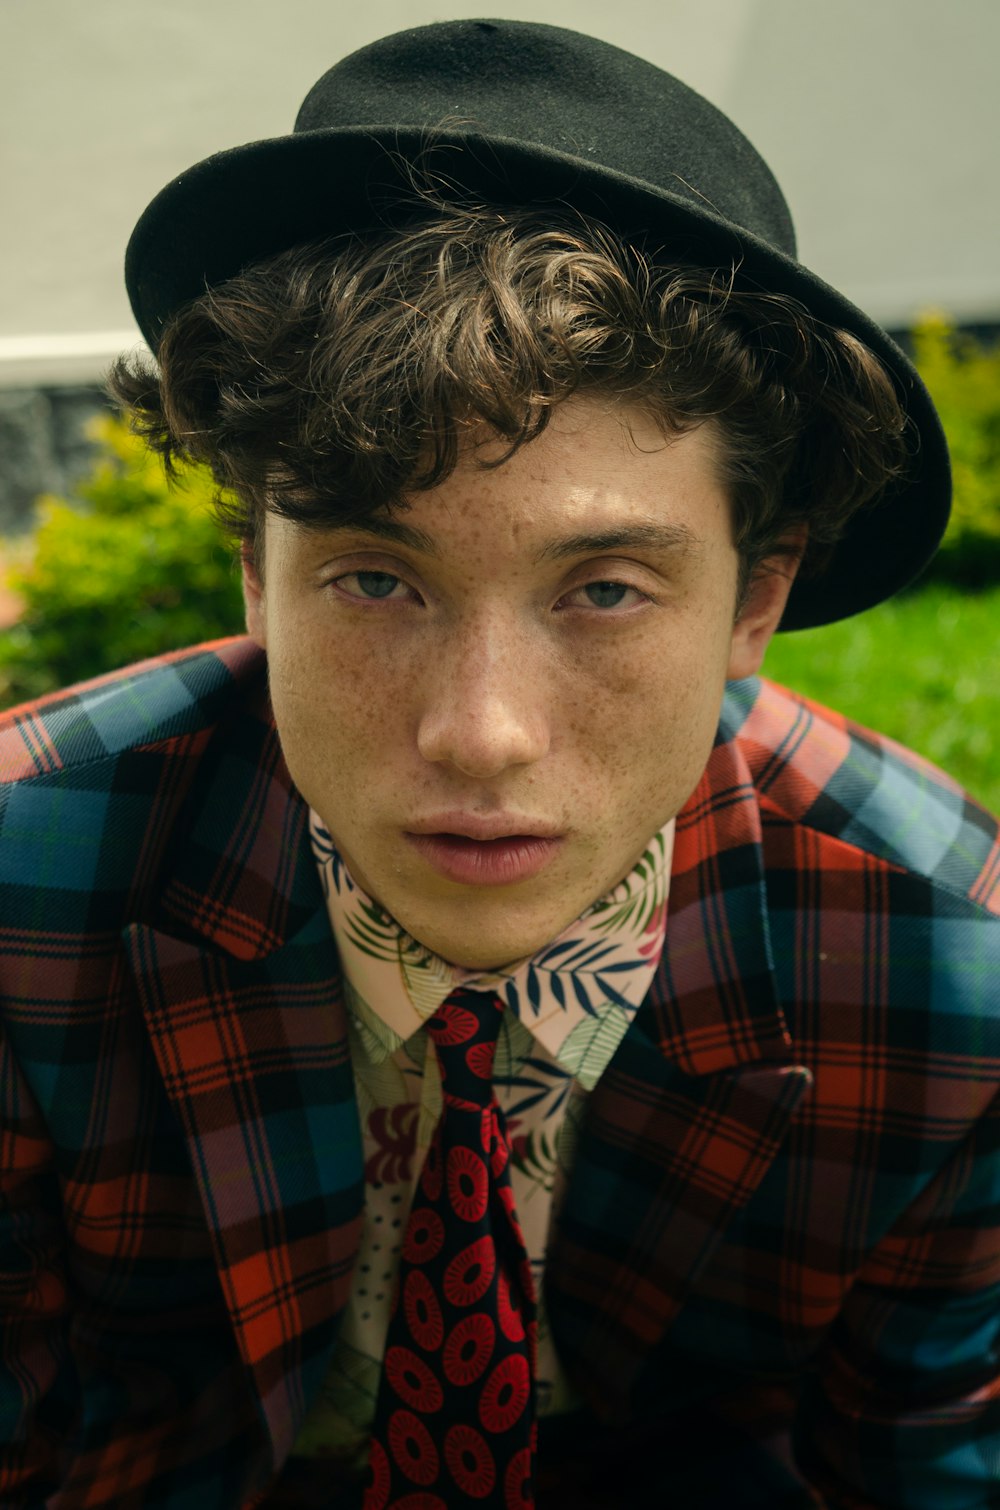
788, 1181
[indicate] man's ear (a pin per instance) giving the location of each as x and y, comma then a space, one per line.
253, 597
766, 596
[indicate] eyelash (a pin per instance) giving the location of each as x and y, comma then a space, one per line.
626, 587
364, 597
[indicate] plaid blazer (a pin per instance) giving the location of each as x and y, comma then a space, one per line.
781, 1242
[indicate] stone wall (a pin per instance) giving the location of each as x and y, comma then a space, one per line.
44, 446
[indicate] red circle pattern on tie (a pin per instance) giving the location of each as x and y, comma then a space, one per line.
455, 1415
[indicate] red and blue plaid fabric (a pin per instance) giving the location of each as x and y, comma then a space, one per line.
455, 1414
778, 1259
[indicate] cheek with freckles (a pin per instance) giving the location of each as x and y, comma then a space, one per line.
643, 734
337, 740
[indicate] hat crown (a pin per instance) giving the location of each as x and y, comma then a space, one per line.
564, 92
522, 113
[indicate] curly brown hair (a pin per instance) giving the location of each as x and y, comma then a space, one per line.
328, 382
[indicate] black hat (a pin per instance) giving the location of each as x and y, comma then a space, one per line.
520, 112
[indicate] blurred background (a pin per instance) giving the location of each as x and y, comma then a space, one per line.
879, 118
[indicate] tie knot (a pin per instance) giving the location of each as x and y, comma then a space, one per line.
465, 1028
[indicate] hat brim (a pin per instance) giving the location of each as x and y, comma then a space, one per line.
253, 201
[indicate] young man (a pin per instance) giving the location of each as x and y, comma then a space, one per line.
496, 1050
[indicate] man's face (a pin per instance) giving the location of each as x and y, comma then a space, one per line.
496, 702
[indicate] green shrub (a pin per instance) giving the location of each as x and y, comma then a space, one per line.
139, 569
963, 376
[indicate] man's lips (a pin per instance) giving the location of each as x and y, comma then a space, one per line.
493, 854
495, 826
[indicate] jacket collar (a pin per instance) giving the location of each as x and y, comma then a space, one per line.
240, 875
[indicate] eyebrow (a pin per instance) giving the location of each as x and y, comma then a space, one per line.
666, 537
388, 527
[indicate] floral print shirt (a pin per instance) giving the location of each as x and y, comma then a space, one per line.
569, 1007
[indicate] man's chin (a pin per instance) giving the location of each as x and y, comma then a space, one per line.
472, 944
479, 954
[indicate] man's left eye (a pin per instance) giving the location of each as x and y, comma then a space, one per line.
607, 594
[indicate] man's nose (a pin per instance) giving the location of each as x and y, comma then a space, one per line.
485, 708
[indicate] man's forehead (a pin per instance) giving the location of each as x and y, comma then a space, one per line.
599, 477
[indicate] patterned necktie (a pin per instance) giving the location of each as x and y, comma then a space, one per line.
455, 1415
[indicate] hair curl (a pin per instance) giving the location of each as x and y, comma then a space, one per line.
330, 381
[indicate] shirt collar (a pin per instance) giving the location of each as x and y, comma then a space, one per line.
584, 986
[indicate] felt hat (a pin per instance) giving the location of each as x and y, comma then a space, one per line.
519, 112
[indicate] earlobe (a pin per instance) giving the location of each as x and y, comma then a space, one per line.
767, 595
253, 598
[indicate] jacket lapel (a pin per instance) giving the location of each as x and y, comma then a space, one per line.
239, 982
691, 1112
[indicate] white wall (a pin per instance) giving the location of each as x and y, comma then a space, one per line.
879, 118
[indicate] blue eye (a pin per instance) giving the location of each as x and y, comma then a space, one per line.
606, 594
376, 584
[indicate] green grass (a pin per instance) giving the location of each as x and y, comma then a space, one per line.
922, 668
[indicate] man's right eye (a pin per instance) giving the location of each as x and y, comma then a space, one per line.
370, 584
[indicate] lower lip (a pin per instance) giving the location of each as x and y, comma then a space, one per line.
485, 862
